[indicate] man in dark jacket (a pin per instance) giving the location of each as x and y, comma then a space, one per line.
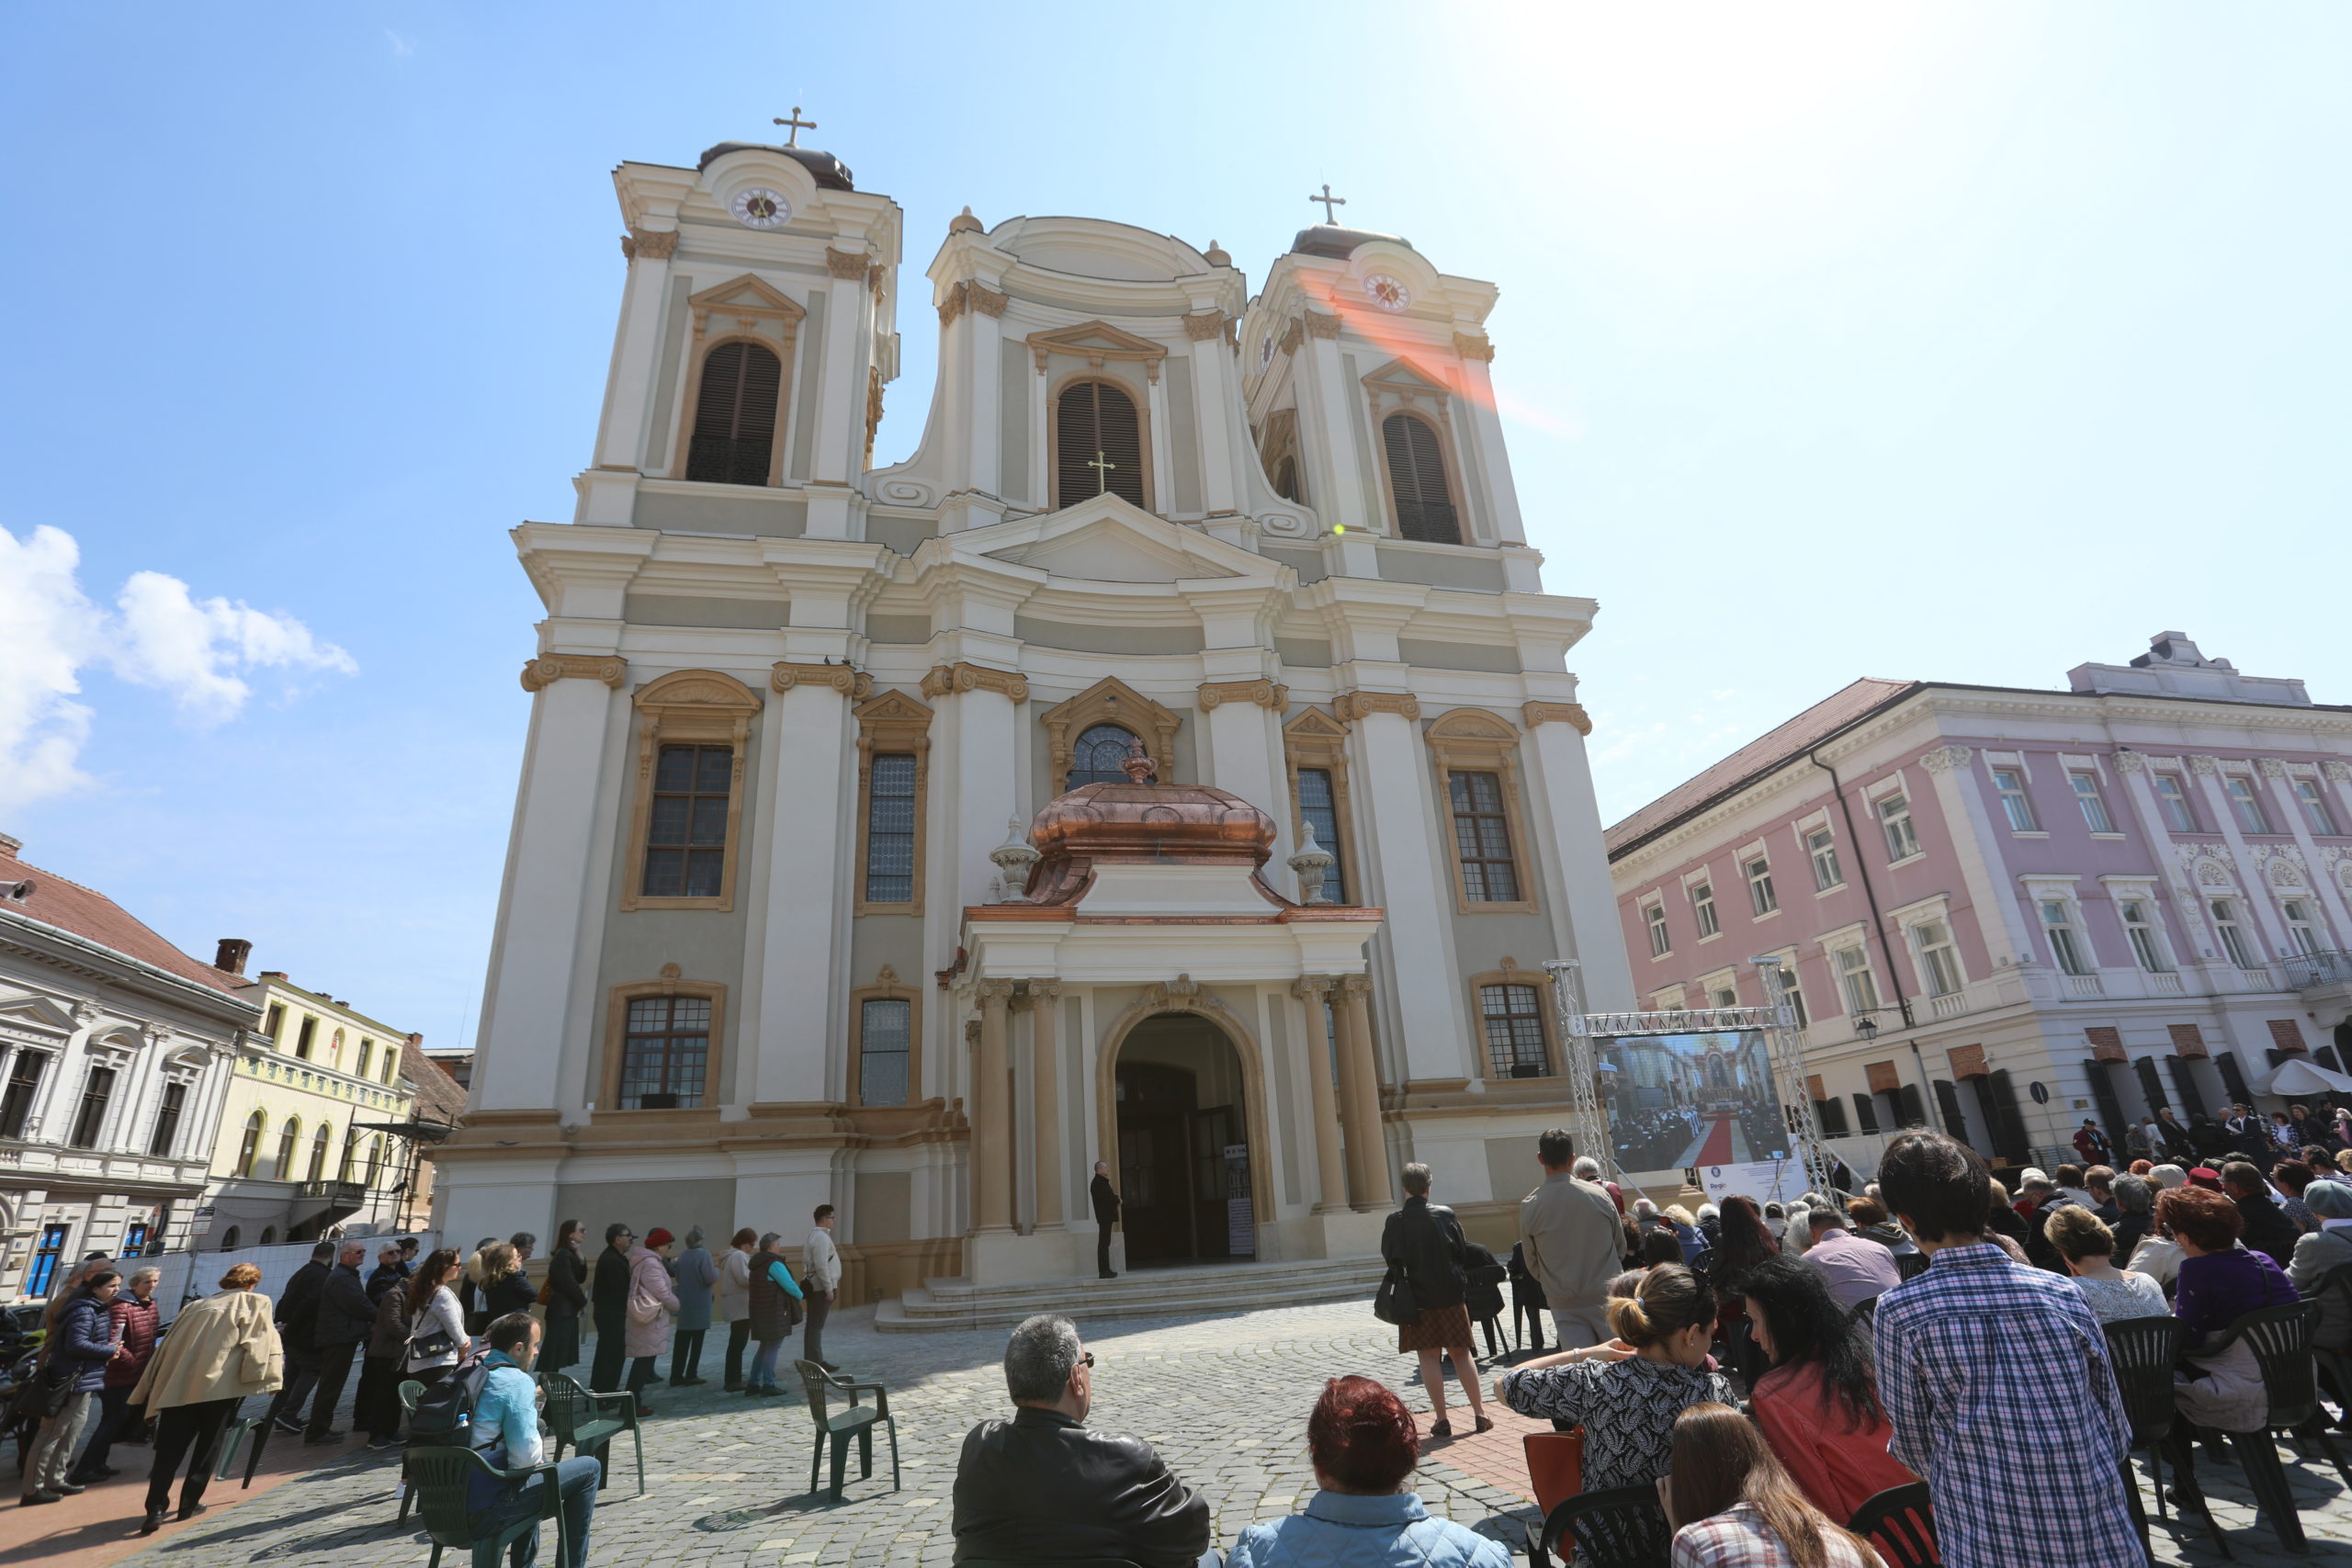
2046, 1200
609, 1296
1045, 1487
297, 1315
345, 1315
389, 1272
2267, 1226
1106, 1214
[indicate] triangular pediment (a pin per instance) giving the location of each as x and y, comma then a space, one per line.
746, 296
1402, 376
1107, 539
1316, 724
1096, 341
36, 1013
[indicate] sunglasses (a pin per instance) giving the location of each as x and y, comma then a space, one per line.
1087, 1359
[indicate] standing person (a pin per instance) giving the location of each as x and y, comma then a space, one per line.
506, 1429
1571, 1233
504, 1286
136, 1321
567, 1295
735, 1301
408, 1256
1426, 1241
1969, 1353
1731, 1505
1106, 1214
652, 1302
774, 1301
2140, 1141
610, 1296
469, 1286
376, 1408
344, 1318
386, 1274
297, 1317
823, 1278
693, 1277
220, 1350
436, 1324
75, 1353
2091, 1143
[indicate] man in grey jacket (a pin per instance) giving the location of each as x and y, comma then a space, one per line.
1574, 1241
824, 1279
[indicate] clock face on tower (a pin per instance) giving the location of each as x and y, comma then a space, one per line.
760, 208
1387, 292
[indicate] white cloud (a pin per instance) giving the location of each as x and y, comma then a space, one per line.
402, 48
159, 637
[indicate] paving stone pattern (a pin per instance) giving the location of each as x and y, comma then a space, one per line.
1225, 1400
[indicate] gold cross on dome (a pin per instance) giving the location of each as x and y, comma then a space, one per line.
1327, 198
1102, 464
798, 125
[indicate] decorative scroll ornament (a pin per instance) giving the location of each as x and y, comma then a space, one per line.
1352, 706
2339, 772
1947, 759
1571, 714
960, 678
2130, 762
1181, 995
850, 681
549, 668
1265, 693
647, 243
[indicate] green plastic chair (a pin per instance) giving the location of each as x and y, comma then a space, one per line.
589, 1422
855, 1420
439, 1479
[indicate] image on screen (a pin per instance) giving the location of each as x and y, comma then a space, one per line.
1703, 1098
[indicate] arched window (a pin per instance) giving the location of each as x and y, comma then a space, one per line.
350, 1154
1100, 753
230, 1237
1098, 445
270, 1235
249, 1151
289, 1142
319, 1144
1416, 476
735, 415
374, 1158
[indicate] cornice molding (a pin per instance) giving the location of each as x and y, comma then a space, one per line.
960, 677
548, 667
1265, 693
850, 683
1349, 707
1571, 714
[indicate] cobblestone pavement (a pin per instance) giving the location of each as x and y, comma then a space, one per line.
1225, 1399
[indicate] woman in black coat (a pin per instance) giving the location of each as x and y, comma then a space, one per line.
1424, 1242
567, 1293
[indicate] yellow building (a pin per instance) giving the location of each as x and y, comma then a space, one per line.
309, 1132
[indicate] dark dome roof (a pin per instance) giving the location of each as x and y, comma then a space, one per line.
1142, 822
831, 173
1323, 239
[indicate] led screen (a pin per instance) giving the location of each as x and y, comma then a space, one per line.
1681, 1101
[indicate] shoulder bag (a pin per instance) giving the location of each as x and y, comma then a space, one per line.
1395, 1302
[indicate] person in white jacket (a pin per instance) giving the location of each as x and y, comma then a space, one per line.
822, 1265
735, 1301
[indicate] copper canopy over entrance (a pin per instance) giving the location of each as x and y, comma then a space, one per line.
1144, 822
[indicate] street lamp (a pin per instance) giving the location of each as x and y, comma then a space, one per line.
1867, 1027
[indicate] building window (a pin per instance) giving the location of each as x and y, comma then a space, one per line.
1856, 981
1939, 959
304, 1037
885, 1036
1703, 906
366, 1055
2093, 808
1286, 478
2010, 783
167, 1119
1319, 807
134, 1238
1821, 845
270, 1235
321, 1141
2178, 814
249, 1148
1760, 896
1895, 819
1513, 1018
1101, 755
1792, 995
1416, 478
375, 1159
665, 1052
392, 1062
277, 1022
1725, 996
2225, 920
43, 1273
228, 1239
2065, 946
334, 1051
2300, 928
16, 1099
2314, 800
289, 1142
1482, 838
2141, 929
1654, 917
891, 830
1831, 1114
686, 838
90, 1116
2247, 804
349, 1167
1098, 446
734, 430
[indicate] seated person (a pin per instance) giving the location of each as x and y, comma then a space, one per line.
1818, 1406
2221, 1282
2330, 1247
2087, 1247
1043, 1486
1364, 1444
507, 1430
1732, 1506
1855, 1271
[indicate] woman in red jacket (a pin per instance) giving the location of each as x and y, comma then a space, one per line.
1818, 1406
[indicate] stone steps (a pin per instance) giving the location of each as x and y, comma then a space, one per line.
942, 1305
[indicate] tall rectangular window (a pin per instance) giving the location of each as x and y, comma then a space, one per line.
2139, 926
1760, 896
1937, 957
1654, 917
1855, 979
1821, 846
665, 1052
1319, 807
1725, 996
2314, 800
2066, 945
1831, 1114
277, 1022
2299, 928
90, 1115
2247, 804
891, 830
305, 1037
167, 1119
2009, 784
685, 836
43, 1273
884, 1035
2174, 798
1702, 907
367, 1056
2225, 922
2093, 808
1514, 1025
1865, 1112
1894, 818
1791, 995
1482, 838
16, 1099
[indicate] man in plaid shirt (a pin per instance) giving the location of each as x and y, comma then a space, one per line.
1980, 1358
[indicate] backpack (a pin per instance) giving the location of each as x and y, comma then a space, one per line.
445, 1409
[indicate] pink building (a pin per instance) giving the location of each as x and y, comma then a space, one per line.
2006, 910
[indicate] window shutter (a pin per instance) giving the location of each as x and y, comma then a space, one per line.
735, 415
2192, 1099
2152, 1088
1948, 1105
2008, 1129
2110, 1105
1417, 473
1096, 417
1865, 1112
2234, 1078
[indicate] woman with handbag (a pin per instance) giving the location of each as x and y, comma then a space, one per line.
774, 1308
565, 1295
1424, 1247
65, 1384
652, 1302
436, 1332
220, 1350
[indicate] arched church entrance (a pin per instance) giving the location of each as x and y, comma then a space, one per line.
1185, 1154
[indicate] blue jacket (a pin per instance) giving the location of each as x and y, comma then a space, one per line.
1340, 1530
86, 1341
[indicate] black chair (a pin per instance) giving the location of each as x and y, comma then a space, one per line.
1866, 1311
2280, 1337
855, 1420
2337, 1364
2142, 1351
1911, 1265
1621, 1527
1900, 1523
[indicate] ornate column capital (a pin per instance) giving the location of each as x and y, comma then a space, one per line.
1571, 714
993, 993
2272, 768
852, 683
961, 677
549, 668
652, 246
1353, 987
1946, 759
1265, 693
1473, 346
2130, 762
1321, 323
1349, 707
2204, 767
1021, 999
1311, 987
1046, 990
1203, 325
846, 263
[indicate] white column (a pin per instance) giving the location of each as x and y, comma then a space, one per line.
2000, 923
1563, 785
1392, 782
806, 745
839, 405
1215, 384
1478, 403
635, 352
1330, 1169
1329, 439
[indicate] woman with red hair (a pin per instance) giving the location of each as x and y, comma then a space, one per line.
1363, 1443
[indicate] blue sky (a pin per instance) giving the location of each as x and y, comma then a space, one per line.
1960, 340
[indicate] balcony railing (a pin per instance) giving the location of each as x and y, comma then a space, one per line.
340, 1194
2308, 970
2084, 985
1432, 521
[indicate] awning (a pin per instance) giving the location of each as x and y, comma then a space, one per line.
2299, 1076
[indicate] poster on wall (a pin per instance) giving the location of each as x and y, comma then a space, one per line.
1767, 1181
1679, 1101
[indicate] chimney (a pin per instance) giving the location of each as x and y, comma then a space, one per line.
273, 974
232, 955
9, 846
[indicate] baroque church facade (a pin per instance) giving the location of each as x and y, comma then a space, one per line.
911, 838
